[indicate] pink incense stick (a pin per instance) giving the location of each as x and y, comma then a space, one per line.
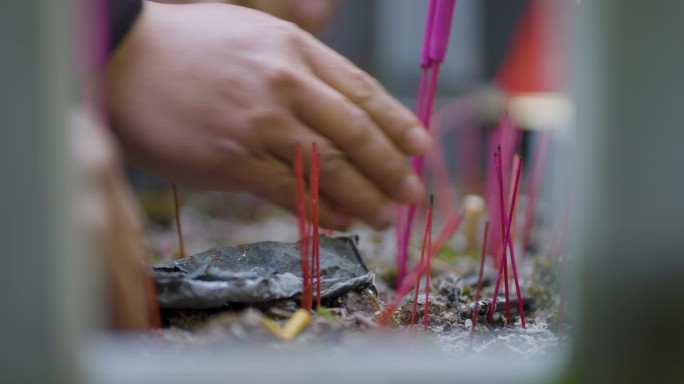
435, 40
418, 168
425, 61
444, 14
426, 114
428, 232
422, 93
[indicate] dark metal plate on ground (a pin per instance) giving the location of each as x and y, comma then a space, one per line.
257, 273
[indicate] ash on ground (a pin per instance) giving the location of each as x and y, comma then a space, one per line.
353, 319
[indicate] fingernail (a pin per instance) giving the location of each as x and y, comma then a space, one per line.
411, 190
418, 140
385, 215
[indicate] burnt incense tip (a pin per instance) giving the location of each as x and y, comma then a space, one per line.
494, 154
498, 146
432, 198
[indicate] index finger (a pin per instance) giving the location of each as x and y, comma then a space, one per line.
396, 121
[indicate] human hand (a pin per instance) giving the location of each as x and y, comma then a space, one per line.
310, 15
217, 96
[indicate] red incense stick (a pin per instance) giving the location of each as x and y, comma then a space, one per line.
179, 229
408, 283
303, 233
509, 241
423, 255
316, 261
417, 279
503, 268
502, 209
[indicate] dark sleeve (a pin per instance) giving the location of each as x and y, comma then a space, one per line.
122, 15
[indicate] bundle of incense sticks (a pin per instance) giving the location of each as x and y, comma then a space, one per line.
508, 138
411, 278
309, 243
507, 241
435, 41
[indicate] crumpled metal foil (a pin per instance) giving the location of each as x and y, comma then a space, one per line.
257, 273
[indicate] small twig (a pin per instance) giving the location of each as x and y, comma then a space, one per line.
179, 229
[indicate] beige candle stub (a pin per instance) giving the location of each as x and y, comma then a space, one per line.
296, 324
473, 206
292, 328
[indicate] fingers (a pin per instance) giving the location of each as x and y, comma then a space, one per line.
341, 184
351, 130
278, 185
395, 120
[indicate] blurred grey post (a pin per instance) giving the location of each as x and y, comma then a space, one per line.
43, 293
630, 97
